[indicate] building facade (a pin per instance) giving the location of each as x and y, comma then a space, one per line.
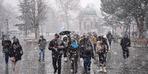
88, 20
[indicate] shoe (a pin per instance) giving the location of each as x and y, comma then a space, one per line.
101, 69
88, 72
39, 60
13, 69
71, 70
125, 61
43, 61
65, 59
104, 69
7, 65
55, 71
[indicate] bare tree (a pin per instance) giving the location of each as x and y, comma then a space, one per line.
5, 13
128, 9
67, 6
33, 14
25, 16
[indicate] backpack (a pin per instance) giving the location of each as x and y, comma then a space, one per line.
109, 36
88, 46
100, 47
94, 40
74, 44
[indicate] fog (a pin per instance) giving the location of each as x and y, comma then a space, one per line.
12, 6
56, 16
116, 29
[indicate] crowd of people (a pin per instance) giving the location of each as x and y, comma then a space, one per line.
72, 47
84, 47
11, 49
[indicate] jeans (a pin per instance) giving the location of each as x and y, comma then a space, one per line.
95, 47
110, 42
6, 58
42, 54
87, 64
56, 62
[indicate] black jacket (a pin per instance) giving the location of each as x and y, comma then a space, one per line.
54, 47
83, 52
125, 42
105, 43
7, 46
42, 43
109, 36
16, 51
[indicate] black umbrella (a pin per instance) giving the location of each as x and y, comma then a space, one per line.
64, 32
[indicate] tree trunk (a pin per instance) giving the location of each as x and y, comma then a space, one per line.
140, 26
36, 32
26, 31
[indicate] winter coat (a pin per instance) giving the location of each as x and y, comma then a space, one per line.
84, 43
100, 47
94, 40
105, 42
125, 42
17, 51
57, 47
109, 36
42, 43
6, 46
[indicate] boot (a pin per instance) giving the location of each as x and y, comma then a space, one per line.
104, 69
101, 69
55, 71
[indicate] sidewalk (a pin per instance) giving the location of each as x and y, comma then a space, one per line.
137, 63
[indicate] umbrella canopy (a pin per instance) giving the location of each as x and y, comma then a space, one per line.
64, 32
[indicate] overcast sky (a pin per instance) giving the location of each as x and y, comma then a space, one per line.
13, 5
84, 3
